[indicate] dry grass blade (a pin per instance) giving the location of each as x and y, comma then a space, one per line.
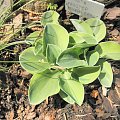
5, 9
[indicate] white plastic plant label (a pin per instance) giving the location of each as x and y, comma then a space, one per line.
85, 8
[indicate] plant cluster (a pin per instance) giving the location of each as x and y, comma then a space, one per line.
63, 62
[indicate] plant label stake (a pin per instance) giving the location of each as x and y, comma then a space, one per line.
85, 8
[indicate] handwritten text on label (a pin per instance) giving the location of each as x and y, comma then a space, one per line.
85, 8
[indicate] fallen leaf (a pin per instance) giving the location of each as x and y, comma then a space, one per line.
99, 112
17, 21
117, 82
114, 32
107, 105
114, 97
24, 74
112, 13
117, 91
94, 93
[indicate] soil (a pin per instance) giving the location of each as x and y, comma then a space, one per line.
99, 103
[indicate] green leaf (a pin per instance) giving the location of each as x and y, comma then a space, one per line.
42, 86
52, 53
33, 37
57, 35
81, 26
75, 37
70, 58
84, 45
50, 17
80, 37
66, 97
38, 46
72, 88
86, 75
106, 74
33, 63
92, 58
109, 50
98, 27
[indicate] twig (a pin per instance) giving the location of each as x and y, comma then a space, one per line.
83, 115
65, 116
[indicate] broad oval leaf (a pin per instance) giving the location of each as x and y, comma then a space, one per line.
89, 39
109, 50
57, 35
72, 88
86, 75
33, 63
50, 17
42, 86
33, 37
38, 46
80, 37
81, 26
66, 97
70, 58
92, 58
106, 74
98, 27
52, 53
75, 37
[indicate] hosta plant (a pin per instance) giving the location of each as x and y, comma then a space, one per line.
63, 62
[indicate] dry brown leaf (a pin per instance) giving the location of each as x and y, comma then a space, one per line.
112, 13
118, 91
114, 32
94, 93
107, 104
17, 21
99, 112
113, 96
10, 29
117, 82
24, 74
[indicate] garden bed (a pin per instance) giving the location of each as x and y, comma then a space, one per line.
98, 104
